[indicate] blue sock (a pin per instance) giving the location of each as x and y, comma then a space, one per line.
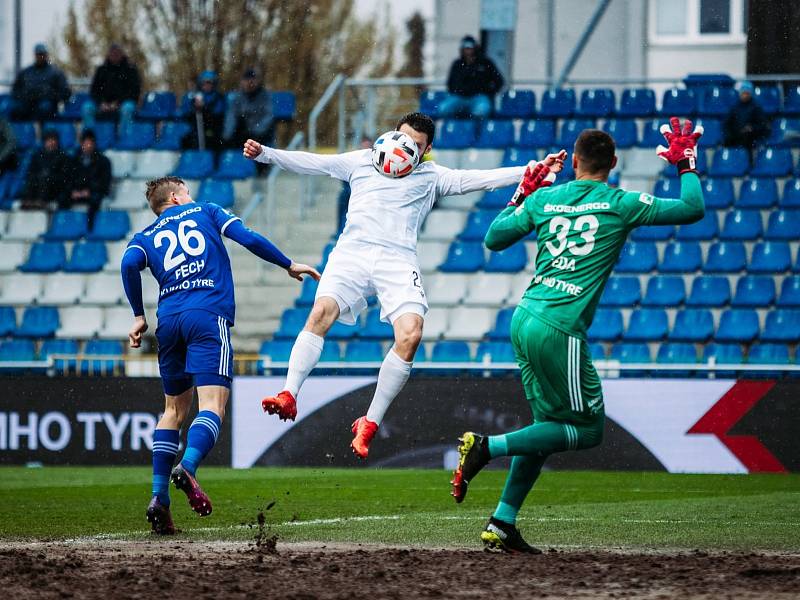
506, 513
165, 448
200, 438
498, 446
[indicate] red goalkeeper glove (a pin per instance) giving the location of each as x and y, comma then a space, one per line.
682, 151
534, 178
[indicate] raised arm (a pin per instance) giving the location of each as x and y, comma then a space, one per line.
452, 182
677, 211
133, 261
339, 166
510, 226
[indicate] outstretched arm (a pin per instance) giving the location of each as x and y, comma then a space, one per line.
305, 163
133, 261
678, 211
452, 182
266, 250
510, 226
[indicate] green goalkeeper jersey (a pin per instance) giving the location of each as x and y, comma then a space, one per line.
580, 228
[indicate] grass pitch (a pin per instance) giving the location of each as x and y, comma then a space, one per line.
412, 507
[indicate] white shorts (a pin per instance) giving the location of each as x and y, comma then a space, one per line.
354, 273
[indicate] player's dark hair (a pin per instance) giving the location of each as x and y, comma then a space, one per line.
596, 150
418, 122
158, 191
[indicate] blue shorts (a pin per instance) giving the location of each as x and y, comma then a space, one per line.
194, 348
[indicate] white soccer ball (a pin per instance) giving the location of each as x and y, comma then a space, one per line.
395, 154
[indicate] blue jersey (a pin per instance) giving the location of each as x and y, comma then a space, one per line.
185, 253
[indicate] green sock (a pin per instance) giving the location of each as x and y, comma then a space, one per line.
521, 477
506, 513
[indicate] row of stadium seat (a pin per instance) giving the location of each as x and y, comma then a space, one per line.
635, 102
64, 289
40, 322
720, 192
25, 350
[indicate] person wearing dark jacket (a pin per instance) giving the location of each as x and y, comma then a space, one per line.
249, 113
115, 90
48, 174
89, 177
746, 124
204, 110
38, 89
472, 83
8, 148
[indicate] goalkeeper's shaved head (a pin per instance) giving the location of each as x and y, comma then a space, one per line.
595, 151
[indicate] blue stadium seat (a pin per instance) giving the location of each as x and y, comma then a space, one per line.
718, 192
630, 353
38, 322
102, 366
596, 103
726, 257
570, 130
277, 350
791, 194
308, 292
66, 225
790, 293
754, 291
451, 351
494, 134
706, 228
495, 352
340, 331
637, 257
87, 257
477, 225
54, 347
708, 290
742, 225
729, 162
672, 353
782, 325
558, 103
25, 134
637, 102
770, 257
284, 105
621, 291
693, 325
17, 350
195, 164
233, 165
607, 325
171, 135
653, 233
463, 257
511, 260
497, 198
647, 324
791, 101
140, 136
158, 106
767, 354
758, 193
738, 325
45, 257
374, 328
784, 225
110, 225
72, 110
106, 133
218, 192
681, 257
623, 131
430, 101
772, 162
502, 325
363, 351
665, 291
456, 134
716, 101
537, 133
67, 138
597, 351
678, 102
651, 134
5, 105
326, 252
783, 133
724, 354
8, 320
517, 157
292, 322
769, 98
517, 104
712, 132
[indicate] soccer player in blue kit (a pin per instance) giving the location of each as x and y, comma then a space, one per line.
184, 250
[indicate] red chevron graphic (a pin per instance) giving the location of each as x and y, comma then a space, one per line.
728, 411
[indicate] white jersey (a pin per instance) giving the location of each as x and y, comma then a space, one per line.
384, 211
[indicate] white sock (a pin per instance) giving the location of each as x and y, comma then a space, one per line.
304, 357
391, 379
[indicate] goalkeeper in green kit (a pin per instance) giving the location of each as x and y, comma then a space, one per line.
580, 227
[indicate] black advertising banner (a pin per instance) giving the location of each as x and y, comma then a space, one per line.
86, 421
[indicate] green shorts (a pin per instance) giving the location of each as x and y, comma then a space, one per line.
559, 378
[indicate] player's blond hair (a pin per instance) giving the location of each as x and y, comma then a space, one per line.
158, 191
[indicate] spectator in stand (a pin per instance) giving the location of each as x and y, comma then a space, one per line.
746, 124
89, 177
38, 89
249, 113
472, 83
204, 109
48, 175
8, 148
115, 90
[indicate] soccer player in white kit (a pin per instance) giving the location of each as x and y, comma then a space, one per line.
376, 254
